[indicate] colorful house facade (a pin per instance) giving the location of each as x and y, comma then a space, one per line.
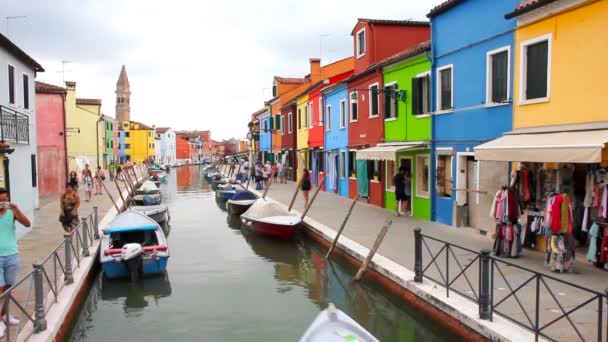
82, 117
288, 137
303, 123
265, 134
52, 150
335, 99
472, 96
374, 41
106, 140
137, 142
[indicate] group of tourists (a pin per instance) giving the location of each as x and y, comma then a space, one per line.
263, 173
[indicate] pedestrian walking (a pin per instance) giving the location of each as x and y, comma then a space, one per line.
267, 173
100, 176
259, 176
119, 174
111, 170
275, 172
306, 186
69, 202
73, 180
399, 181
87, 180
408, 193
9, 251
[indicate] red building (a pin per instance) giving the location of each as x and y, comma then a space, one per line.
183, 149
52, 153
288, 139
373, 42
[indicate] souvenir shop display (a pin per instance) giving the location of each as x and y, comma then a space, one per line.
506, 210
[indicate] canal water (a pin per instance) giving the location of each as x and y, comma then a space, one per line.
226, 284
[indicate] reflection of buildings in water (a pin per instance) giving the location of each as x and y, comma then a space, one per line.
184, 176
169, 189
137, 296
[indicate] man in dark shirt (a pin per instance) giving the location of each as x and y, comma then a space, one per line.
400, 198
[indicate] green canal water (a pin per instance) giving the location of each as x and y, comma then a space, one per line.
226, 284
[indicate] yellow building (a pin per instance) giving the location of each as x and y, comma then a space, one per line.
82, 116
136, 142
303, 122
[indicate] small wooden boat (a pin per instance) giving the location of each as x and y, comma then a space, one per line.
241, 201
133, 245
271, 219
225, 195
158, 212
148, 188
333, 325
148, 199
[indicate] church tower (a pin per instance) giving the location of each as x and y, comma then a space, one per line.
123, 97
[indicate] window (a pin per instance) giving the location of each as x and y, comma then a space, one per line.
374, 100
127, 134
274, 90
342, 113
354, 107
277, 122
390, 101
361, 43
305, 125
422, 176
112, 144
289, 122
444, 175
11, 84
299, 118
390, 172
311, 116
343, 164
328, 118
444, 87
535, 68
498, 76
352, 161
282, 124
321, 114
119, 146
127, 146
26, 91
421, 94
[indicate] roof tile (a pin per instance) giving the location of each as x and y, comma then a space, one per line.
42, 87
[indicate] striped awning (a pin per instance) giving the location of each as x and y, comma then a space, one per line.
388, 151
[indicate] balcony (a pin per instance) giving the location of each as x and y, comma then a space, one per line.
14, 126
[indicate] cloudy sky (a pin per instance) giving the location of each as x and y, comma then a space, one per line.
191, 64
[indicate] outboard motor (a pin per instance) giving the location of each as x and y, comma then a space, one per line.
132, 255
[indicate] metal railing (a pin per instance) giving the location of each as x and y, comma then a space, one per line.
14, 126
48, 277
538, 302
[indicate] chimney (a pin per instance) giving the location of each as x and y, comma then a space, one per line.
69, 85
315, 70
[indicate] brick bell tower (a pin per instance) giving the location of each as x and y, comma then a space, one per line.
123, 97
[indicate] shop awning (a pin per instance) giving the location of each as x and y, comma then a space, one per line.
388, 151
583, 146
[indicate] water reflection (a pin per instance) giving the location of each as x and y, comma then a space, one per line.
136, 296
234, 221
222, 204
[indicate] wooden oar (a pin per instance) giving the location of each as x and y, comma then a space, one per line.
350, 210
377, 243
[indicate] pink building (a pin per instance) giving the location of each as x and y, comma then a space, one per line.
52, 154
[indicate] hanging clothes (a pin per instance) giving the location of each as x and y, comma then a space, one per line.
524, 189
593, 235
495, 203
589, 190
556, 214
604, 249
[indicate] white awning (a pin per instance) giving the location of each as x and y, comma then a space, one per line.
388, 151
584, 146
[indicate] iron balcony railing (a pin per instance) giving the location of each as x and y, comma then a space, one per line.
551, 308
46, 280
14, 126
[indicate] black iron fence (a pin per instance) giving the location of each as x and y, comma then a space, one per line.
47, 278
14, 126
551, 308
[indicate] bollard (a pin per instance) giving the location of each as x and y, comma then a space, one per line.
418, 255
485, 312
39, 316
85, 237
95, 223
69, 276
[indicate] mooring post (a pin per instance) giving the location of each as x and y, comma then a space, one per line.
85, 237
69, 276
372, 252
96, 223
350, 210
295, 194
484, 285
39, 316
418, 255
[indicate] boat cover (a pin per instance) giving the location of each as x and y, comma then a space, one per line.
148, 187
150, 209
334, 325
262, 209
131, 218
243, 195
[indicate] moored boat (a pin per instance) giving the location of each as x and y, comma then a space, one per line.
158, 212
148, 199
133, 245
148, 188
271, 219
241, 201
225, 195
332, 325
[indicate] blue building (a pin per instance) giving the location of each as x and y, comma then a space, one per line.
335, 117
472, 73
122, 156
265, 152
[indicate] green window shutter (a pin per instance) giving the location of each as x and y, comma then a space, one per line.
396, 100
270, 122
388, 95
277, 120
416, 90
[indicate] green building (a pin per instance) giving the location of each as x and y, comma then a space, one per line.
108, 140
407, 125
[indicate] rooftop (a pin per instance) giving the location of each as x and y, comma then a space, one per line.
42, 87
88, 102
389, 22
140, 126
526, 6
162, 129
443, 7
18, 53
290, 80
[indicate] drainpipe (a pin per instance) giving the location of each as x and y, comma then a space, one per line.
433, 162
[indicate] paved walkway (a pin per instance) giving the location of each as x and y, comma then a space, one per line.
366, 221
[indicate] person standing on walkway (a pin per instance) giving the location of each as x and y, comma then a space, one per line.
69, 202
119, 174
232, 167
111, 170
275, 172
73, 180
99, 177
407, 180
87, 180
280, 171
259, 176
267, 173
9, 250
306, 186
399, 181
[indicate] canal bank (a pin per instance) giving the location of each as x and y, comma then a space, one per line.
513, 286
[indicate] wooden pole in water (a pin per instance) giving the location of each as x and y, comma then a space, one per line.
295, 195
267, 187
120, 193
312, 200
350, 210
377, 243
111, 198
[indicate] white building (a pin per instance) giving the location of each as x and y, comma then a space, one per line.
18, 172
165, 146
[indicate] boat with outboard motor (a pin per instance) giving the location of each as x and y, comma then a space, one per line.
271, 219
157, 212
133, 245
333, 325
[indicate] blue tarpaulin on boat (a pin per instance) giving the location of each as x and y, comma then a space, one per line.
111, 230
244, 195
